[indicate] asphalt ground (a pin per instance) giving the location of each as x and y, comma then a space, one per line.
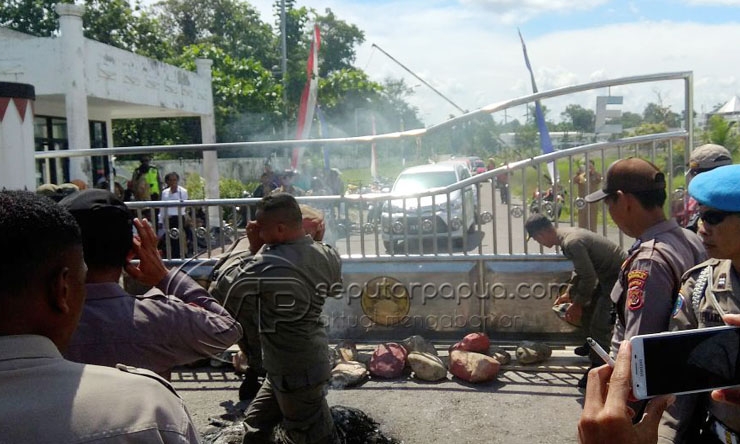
526, 404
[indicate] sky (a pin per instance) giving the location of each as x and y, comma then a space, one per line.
470, 51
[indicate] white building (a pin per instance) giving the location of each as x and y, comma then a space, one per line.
83, 85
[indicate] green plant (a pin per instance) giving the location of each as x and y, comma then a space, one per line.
196, 186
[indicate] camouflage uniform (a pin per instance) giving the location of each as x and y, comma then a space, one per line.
709, 283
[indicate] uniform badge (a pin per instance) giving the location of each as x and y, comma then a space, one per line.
721, 281
677, 306
636, 289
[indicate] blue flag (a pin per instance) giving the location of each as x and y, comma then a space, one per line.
545, 142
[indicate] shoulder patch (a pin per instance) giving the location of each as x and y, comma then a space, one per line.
148, 374
636, 280
677, 306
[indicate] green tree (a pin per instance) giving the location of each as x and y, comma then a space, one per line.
338, 42
233, 26
722, 132
658, 114
579, 119
112, 22
630, 120
246, 95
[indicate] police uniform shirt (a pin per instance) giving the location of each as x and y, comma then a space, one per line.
175, 323
47, 399
650, 278
595, 260
694, 309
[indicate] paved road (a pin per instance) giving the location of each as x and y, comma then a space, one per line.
492, 238
532, 404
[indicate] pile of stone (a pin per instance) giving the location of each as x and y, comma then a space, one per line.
473, 359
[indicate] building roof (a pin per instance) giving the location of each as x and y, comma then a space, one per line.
732, 106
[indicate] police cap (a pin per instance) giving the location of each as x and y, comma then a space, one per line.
718, 188
631, 175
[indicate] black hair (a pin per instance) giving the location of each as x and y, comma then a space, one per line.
34, 233
651, 199
281, 207
536, 223
168, 175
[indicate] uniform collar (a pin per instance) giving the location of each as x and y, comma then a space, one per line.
660, 227
27, 346
104, 290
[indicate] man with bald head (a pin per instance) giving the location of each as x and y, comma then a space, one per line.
43, 397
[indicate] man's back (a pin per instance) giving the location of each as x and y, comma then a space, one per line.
293, 336
48, 399
605, 256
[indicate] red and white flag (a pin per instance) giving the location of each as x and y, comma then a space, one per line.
308, 97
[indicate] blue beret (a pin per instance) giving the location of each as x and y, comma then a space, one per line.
718, 188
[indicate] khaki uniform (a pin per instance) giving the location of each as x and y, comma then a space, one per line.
588, 217
650, 279
226, 287
288, 284
596, 264
695, 308
47, 399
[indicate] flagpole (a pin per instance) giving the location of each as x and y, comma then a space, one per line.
284, 67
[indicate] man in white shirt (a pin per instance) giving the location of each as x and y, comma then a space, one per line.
170, 220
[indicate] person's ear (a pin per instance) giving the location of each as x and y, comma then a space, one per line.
320, 230
60, 291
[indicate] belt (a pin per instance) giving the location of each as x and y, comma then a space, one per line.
721, 431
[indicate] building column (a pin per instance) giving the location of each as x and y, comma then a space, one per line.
208, 135
17, 170
73, 77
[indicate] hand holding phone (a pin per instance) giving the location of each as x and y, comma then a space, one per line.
606, 418
686, 361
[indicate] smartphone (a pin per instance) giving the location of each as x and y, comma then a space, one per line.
687, 361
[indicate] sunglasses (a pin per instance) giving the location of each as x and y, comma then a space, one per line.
714, 217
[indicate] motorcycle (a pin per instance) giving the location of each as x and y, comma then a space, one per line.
550, 203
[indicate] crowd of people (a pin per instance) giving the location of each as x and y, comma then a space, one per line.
661, 285
72, 336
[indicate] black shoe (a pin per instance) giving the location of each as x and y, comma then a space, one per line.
250, 385
583, 381
582, 350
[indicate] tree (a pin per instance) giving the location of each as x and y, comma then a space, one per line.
579, 118
722, 132
630, 120
233, 26
338, 42
112, 22
657, 114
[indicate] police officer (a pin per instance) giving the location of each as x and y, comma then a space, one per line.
596, 263
45, 398
704, 158
146, 180
634, 192
709, 291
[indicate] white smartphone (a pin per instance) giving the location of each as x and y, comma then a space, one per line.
687, 361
